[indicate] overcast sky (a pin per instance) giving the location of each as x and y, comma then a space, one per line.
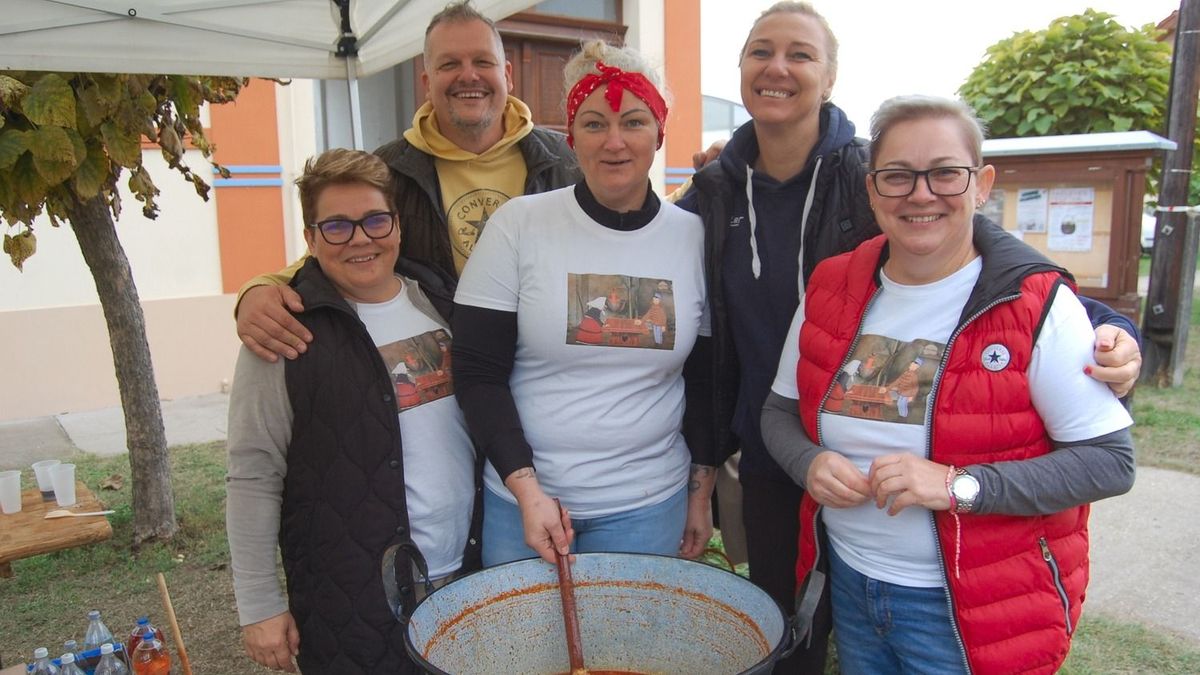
892, 47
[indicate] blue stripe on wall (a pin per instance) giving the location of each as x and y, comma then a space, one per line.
252, 168
248, 182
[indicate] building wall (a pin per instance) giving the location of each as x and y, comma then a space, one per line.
682, 41
184, 264
188, 263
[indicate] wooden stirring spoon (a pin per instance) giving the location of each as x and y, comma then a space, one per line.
566, 588
63, 513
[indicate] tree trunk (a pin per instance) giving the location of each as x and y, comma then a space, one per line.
153, 498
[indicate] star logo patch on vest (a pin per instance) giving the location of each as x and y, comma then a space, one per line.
468, 215
995, 357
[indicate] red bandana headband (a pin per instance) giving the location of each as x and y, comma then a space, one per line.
618, 81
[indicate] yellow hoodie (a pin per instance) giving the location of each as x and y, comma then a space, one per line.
473, 186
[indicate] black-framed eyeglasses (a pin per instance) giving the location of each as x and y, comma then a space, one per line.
341, 230
943, 181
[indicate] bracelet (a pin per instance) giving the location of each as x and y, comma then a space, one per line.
954, 514
950, 490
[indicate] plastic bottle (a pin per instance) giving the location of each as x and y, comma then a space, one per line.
41, 662
109, 663
135, 636
97, 634
151, 656
68, 664
72, 647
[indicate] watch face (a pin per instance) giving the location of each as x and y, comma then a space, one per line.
965, 487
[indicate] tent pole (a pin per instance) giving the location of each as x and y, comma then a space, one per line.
355, 106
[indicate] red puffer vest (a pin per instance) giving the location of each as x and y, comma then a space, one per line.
1016, 583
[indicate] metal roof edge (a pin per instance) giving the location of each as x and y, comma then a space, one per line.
1076, 143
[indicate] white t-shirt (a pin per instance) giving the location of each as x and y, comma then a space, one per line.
883, 390
439, 459
605, 320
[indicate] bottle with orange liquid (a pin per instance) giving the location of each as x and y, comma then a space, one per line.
151, 657
135, 636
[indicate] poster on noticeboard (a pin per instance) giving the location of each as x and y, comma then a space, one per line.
1071, 216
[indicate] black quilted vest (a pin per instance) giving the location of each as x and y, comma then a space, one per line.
343, 497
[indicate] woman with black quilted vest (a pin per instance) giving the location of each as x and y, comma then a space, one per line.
355, 451
946, 493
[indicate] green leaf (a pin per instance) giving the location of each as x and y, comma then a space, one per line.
50, 102
27, 183
125, 148
52, 144
12, 91
92, 174
20, 247
1042, 125
96, 108
13, 144
1120, 122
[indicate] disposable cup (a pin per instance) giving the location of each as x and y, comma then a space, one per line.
10, 491
45, 484
63, 476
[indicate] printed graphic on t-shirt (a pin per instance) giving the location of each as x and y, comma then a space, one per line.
613, 310
886, 380
420, 368
468, 215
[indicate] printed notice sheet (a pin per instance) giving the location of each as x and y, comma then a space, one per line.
1031, 209
1071, 218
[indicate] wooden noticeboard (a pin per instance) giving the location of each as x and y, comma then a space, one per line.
1101, 192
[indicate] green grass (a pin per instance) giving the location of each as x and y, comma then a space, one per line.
1166, 433
47, 600
49, 596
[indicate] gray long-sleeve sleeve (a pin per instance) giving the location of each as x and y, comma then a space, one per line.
785, 437
1074, 473
260, 425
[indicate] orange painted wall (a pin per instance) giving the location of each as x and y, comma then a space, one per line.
250, 219
684, 126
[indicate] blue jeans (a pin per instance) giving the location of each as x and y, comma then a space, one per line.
882, 628
657, 528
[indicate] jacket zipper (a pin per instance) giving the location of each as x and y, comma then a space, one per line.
932, 398
1057, 577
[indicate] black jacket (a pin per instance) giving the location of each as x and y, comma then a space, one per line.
839, 219
344, 498
549, 162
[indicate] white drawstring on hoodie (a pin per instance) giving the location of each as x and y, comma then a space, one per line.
755, 263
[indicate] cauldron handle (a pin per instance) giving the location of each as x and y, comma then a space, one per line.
391, 590
807, 599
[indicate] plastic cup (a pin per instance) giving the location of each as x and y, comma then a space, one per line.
63, 476
10, 491
45, 484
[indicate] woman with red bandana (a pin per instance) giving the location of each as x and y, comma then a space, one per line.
598, 423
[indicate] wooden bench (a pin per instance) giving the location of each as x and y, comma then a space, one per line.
28, 533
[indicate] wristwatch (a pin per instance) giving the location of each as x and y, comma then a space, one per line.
966, 491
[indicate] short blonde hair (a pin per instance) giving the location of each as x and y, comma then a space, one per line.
918, 107
831, 43
583, 63
339, 166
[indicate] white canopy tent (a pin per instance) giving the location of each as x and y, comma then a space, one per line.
319, 39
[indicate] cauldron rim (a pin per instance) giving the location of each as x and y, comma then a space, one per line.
762, 666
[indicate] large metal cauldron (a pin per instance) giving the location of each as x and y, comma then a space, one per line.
641, 613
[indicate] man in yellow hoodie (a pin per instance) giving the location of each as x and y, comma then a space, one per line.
470, 149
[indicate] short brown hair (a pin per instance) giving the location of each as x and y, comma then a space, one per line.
460, 12
339, 166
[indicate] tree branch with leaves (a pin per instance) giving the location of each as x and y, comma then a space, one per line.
65, 141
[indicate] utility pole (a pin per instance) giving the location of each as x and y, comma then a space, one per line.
1172, 263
